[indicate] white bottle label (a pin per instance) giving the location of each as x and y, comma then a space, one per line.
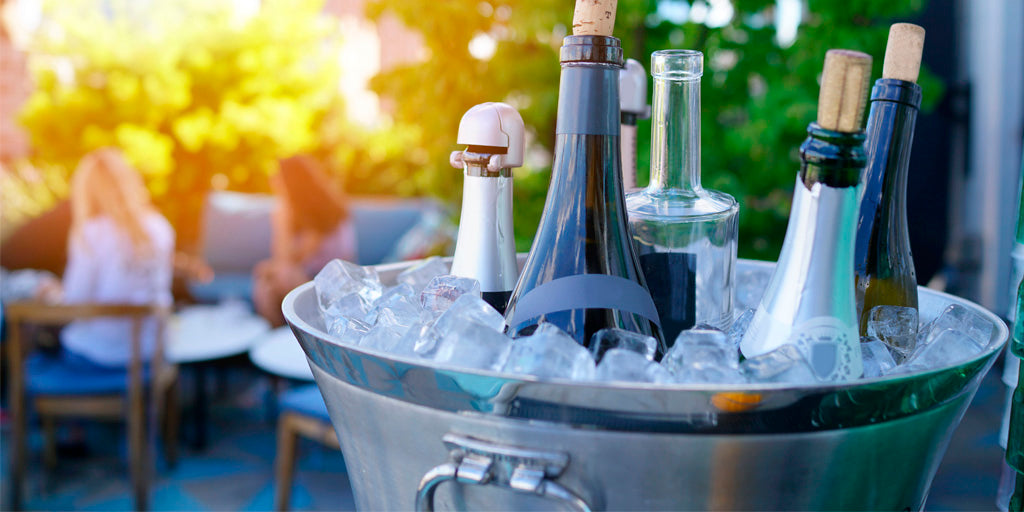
831, 347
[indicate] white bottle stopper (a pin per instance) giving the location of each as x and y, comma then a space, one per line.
633, 89
493, 125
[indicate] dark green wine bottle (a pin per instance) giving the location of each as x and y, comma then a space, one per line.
1015, 439
883, 264
582, 273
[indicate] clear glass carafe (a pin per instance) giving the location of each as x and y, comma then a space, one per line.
685, 235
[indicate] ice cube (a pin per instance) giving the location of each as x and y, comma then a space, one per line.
390, 297
750, 286
473, 345
550, 353
400, 304
611, 338
384, 336
348, 330
420, 274
739, 327
406, 344
945, 348
628, 365
442, 291
420, 341
339, 279
955, 316
345, 306
895, 326
470, 308
392, 324
700, 349
878, 360
784, 364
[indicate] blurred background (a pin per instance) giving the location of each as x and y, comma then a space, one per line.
205, 97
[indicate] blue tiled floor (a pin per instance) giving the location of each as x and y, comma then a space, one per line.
236, 471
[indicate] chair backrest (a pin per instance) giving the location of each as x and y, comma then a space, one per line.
236, 235
236, 230
19, 313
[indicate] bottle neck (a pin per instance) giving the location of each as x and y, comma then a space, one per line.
675, 135
890, 132
834, 159
1020, 217
476, 164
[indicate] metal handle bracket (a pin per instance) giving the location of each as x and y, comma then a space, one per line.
478, 462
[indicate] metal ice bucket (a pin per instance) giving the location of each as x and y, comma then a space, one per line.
416, 434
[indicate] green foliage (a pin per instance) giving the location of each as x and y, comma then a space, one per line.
187, 89
758, 96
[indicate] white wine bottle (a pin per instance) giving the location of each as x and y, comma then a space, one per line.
810, 299
883, 265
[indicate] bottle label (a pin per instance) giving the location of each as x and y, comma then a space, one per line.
671, 278
831, 346
585, 291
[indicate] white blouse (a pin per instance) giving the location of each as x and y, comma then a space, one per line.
101, 268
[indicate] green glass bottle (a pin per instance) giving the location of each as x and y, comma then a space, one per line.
883, 264
1015, 441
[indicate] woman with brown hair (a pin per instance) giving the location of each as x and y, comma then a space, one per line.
310, 227
120, 250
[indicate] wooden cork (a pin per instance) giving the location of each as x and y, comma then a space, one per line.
594, 17
903, 52
844, 88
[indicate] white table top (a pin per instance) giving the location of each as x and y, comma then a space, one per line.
279, 353
203, 333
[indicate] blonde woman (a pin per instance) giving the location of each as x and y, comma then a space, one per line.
310, 227
120, 249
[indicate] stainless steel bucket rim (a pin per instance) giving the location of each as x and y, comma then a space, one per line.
618, 405
999, 336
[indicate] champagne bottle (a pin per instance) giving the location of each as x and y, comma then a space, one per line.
633, 107
685, 235
809, 301
883, 265
485, 249
582, 274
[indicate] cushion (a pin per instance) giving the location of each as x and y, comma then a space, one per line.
305, 400
70, 374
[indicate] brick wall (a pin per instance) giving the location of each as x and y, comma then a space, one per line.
15, 87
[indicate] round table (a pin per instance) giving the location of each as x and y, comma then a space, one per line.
203, 334
279, 353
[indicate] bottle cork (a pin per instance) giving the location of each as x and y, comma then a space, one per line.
844, 87
594, 17
903, 52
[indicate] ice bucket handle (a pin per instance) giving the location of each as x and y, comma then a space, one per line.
479, 462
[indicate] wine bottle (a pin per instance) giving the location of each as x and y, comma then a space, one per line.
485, 249
685, 235
883, 264
633, 108
582, 274
1010, 495
809, 301
1015, 434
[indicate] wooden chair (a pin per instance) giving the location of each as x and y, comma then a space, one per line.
114, 394
304, 413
